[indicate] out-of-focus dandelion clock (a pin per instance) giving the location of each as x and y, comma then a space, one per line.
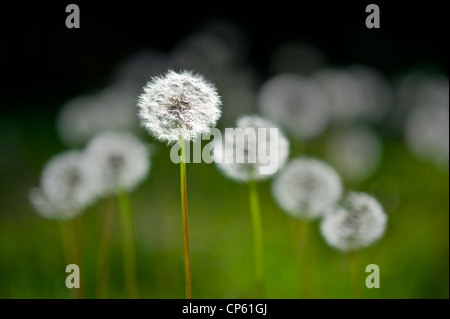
296, 103
344, 92
357, 222
355, 152
376, 92
66, 187
427, 133
306, 188
83, 117
117, 161
243, 155
179, 104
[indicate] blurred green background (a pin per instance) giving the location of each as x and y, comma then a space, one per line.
413, 255
46, 65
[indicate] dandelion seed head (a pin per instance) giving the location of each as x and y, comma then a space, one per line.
83, 117
117, 161
357, 222
306, 187
296, 103
179, 103
66, 187
355, 152
427, 133
248, 144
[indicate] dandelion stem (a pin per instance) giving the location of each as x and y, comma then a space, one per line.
104, 253
304, 258
353, 263
70, 248
184, 213
128, 247
257, 236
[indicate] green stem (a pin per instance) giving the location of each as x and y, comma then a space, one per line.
304, 258
128, 247
257, 236
70, 248
104, 253
353, 263
184, 213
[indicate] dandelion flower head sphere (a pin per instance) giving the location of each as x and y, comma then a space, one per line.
117, 160
357, 222
246, 144
179, 103
307, 187
66, 187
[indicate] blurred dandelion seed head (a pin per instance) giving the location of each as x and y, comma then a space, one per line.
83, 117
306, 188
66, 187
427, 133
355, 152
179, 103
247, 142
117, 161
357, 222
296, 103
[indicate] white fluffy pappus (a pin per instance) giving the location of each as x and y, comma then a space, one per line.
66, 187
355, 152
85, 116
117, 161
247, 143
296, 103
306, 187
357, 222
178, 103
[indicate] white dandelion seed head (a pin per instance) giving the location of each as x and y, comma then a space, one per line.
357, 222
117, 161
83, 117
248, 144
66, 187
355, 152
179, 103
306, 187
296, 103
345, 93
426, 133
376, 93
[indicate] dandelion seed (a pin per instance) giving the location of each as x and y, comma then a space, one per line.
66, 187
296, 103
117, 161
178, 103
305, 188
357, 222
249, 145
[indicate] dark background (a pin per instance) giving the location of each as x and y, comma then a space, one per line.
42, 60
